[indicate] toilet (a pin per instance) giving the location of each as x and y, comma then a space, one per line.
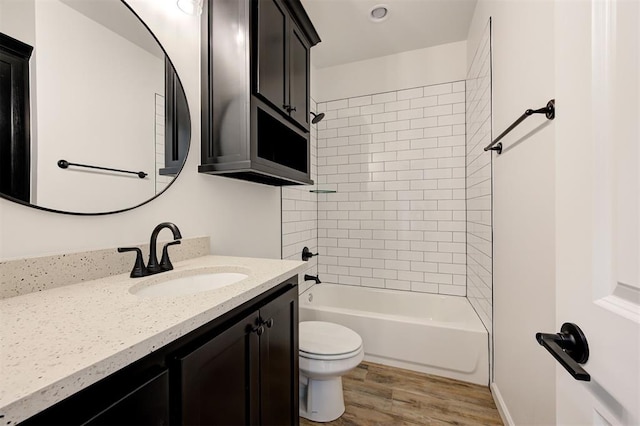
327, 351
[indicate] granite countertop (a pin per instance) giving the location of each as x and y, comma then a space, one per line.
56, 342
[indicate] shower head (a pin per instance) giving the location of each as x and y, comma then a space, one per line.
317, 117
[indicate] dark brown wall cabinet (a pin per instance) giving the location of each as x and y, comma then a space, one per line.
15, 133
240, 369
255, 90
281, 61
177, 123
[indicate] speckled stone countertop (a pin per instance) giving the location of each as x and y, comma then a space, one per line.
56, 342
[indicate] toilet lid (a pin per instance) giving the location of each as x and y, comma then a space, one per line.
326, 338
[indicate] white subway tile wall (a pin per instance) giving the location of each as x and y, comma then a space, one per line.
479, 236
397, 162
300, 217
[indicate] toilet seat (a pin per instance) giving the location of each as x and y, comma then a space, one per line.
328, 341
336, 357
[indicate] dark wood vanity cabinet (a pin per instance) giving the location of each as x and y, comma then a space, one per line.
218, 379
256, 90
136, 395
246, 375
279, 361
147, 404
239, 369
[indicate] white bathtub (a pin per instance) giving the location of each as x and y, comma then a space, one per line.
429, 333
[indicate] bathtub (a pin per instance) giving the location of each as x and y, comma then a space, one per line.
429, 333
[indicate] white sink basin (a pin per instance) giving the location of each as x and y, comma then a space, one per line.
190, 284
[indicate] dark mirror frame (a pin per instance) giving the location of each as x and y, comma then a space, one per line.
181, 132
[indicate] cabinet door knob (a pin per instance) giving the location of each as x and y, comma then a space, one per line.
269, 323
260, 330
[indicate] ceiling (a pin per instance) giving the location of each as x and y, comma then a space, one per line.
349, 35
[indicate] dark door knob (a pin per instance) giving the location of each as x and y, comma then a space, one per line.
569, 348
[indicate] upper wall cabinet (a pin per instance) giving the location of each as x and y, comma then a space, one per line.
281, 66
255, 98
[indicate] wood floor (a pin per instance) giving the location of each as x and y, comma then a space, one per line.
379, 395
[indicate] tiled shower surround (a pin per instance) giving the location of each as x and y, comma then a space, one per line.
397, 163
479, 237
300, 216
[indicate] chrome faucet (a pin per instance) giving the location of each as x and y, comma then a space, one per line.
152, 266
139, 270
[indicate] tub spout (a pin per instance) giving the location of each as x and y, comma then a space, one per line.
312, 278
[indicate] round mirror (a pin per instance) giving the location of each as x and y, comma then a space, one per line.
93, 117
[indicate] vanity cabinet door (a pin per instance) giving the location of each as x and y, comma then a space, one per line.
146, 405
279, 360
131, 397
219, 380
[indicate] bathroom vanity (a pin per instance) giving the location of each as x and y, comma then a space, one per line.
97, 353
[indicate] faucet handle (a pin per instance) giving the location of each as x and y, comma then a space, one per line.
165, 262
306, 254
139, 270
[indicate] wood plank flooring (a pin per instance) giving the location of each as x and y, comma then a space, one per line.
379, 395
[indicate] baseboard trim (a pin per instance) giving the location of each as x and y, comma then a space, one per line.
502, 407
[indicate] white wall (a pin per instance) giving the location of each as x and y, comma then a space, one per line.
523, 204
242, 218
96, 106
16, 19
415, 68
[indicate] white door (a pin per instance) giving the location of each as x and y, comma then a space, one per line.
597, 205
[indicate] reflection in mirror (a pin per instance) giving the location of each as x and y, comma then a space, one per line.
86, 82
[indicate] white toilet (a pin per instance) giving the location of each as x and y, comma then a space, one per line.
327, 351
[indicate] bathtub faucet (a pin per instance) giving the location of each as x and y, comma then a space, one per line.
312, 278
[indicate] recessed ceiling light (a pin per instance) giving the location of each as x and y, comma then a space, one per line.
379, 13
